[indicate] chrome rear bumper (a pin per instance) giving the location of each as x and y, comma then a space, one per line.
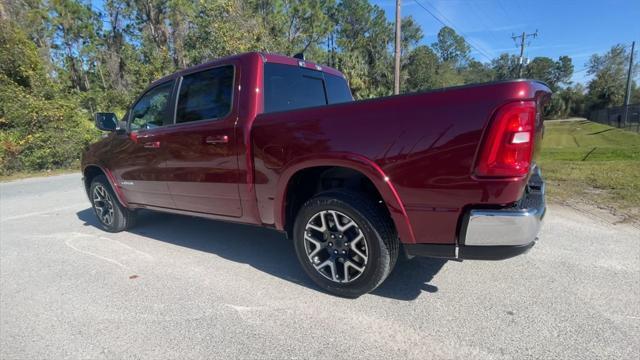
515, 226
494, 234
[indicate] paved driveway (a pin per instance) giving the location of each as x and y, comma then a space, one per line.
181, 287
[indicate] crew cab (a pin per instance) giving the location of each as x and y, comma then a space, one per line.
279, 142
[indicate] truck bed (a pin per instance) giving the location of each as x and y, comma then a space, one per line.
425, 144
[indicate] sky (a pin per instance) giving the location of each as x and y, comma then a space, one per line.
577, 28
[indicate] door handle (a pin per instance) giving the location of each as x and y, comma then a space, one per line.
152, 144
217, 139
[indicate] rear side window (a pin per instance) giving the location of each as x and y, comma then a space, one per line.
205, 95
337, 89
290, 87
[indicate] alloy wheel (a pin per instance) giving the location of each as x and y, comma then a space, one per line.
336, 246
103, 204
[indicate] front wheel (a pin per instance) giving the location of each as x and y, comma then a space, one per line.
113, 217
345, 243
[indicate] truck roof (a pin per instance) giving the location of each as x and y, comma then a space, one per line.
287, 60
266, 58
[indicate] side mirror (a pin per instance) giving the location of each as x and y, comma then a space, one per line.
106, 121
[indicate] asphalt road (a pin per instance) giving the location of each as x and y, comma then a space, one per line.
177, 287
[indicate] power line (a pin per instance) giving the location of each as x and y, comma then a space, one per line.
483, 17
468, 39
453, 27
504, 9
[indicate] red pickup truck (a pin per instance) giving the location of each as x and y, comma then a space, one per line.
279, 142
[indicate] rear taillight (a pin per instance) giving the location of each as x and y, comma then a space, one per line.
508, 144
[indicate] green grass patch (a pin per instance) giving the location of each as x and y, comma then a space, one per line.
594, 163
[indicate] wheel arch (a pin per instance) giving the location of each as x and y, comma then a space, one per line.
91, 171
354, 163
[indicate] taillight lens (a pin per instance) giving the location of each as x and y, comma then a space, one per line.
508, 145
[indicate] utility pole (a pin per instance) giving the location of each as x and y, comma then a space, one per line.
396, 72
627, 94
522, 38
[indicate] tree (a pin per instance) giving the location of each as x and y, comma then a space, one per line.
294, 26
563, 70
411, 34
541, 68
609, 77
113, 41
576, 100
39, 129
32, 17
554, 73
74, 27
570, 101
364, 38
151, 31
239, 32
477, 72
451, 47
505, 67
19, 60
180, 14
421, 70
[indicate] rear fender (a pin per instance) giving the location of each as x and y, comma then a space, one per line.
359, 163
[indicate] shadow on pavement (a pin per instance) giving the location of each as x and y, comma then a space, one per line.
266, 250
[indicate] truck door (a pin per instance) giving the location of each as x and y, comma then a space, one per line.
201, 147
138, 157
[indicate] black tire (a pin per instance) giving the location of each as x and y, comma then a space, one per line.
120, 217
371, 221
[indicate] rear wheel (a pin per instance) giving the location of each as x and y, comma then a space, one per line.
345, 243
113, 217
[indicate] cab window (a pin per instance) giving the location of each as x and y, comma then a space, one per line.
152, 109
205, 95
289, 87
292, 87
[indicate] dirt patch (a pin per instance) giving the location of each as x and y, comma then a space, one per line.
607, 213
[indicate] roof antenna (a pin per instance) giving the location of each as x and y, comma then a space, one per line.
299, 55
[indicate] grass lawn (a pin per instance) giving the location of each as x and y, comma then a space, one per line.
592, 163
